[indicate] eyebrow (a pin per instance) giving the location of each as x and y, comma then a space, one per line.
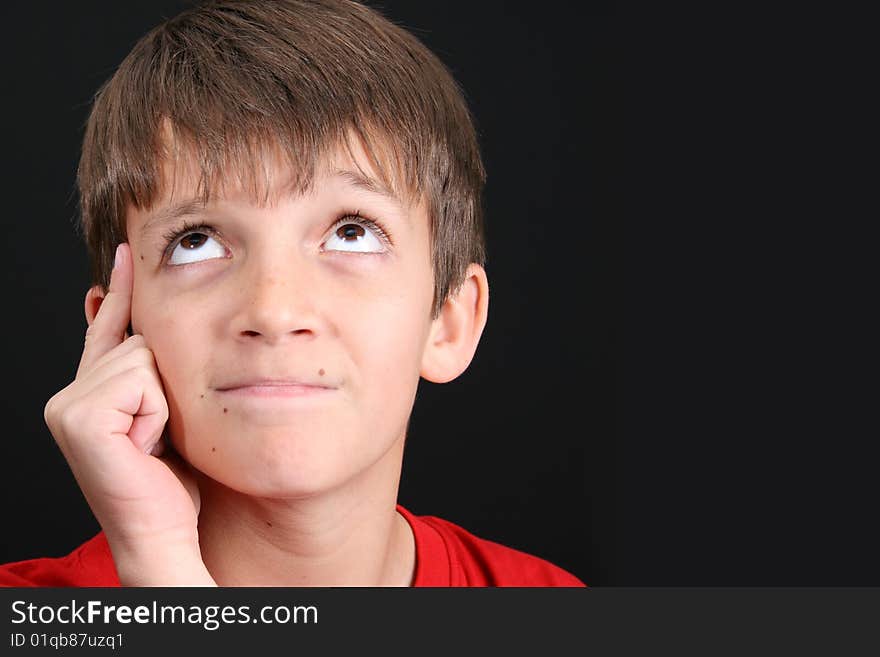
187, 208
195, 206
368, 184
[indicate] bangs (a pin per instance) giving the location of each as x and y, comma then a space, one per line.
250, 162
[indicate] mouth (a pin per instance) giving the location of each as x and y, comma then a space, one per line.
269, 388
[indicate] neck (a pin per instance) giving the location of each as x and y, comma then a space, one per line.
349, 536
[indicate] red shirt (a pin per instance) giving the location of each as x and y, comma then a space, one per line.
446, 555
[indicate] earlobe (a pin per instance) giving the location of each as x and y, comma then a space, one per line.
94, 299
456, 332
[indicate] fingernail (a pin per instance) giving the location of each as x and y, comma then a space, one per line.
118, 259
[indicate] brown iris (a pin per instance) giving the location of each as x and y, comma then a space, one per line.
350, 232
193, 240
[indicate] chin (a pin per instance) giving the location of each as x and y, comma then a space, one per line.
256, 480
273, 465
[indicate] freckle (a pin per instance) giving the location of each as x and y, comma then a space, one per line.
213, 449
202, 396
225, 410
321, 372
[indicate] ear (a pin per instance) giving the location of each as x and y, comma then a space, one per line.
94, 299
456, 332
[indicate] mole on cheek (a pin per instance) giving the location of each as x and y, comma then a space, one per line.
142, 257
268, 523
225, 410
213, 449
321, 372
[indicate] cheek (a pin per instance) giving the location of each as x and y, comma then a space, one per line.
389, 364
174, 335
391, 327
179, 345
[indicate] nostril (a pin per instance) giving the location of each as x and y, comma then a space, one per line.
256, 334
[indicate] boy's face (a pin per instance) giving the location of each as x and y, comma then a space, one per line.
289, 336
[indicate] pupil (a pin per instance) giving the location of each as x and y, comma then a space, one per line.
350, 231
193, 241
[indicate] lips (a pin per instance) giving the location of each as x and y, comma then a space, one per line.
271, 383
274, 388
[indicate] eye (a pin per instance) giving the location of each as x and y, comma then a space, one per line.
195, 247
357, 235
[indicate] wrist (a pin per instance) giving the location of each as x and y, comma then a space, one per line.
167, 566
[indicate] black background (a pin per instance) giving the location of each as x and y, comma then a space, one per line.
678, 381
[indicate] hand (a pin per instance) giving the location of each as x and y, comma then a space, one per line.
109, 425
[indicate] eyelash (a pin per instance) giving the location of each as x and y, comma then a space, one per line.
356, 217
172, 237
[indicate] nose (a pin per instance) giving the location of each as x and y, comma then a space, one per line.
277, 302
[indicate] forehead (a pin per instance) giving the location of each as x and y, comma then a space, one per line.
266, 175
268, 178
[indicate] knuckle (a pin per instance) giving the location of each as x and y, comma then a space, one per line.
55, 407
90, 333
147, 361
91, 329
144, 355
49, 409
69, 417
139, 377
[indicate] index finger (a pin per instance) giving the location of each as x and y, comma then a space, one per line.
108, 328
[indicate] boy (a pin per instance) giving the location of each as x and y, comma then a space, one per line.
281, 201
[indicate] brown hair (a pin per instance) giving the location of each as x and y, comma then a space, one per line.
233, 77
